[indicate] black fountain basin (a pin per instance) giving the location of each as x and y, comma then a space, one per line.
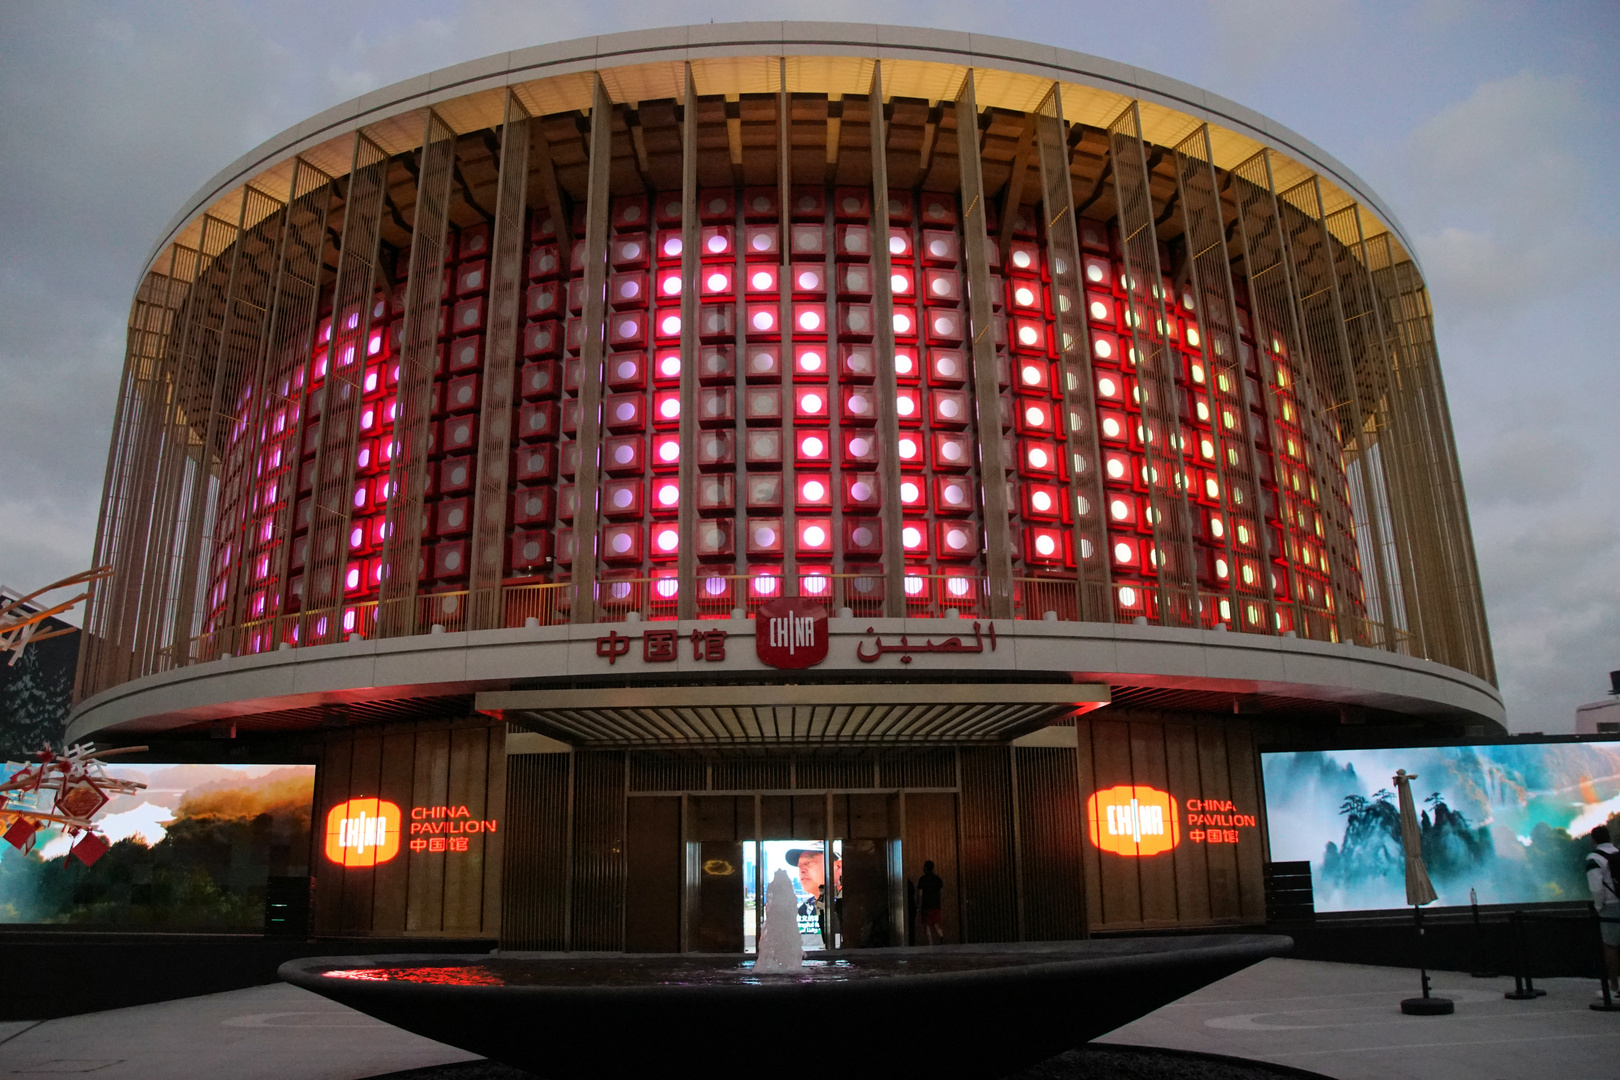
958, 1011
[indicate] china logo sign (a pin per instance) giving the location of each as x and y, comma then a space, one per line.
1133, 820
791, 633
362, 832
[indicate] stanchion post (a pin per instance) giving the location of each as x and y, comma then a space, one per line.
1524, 984
1481, 968
1608, 1004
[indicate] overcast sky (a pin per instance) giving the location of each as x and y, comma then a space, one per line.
1489, 129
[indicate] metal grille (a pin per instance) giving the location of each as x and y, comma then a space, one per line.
1049, 828
407, 473
923, 769
592, 354
986, 382
1332, 409
1074, 335
1236, 458
1276, 334
288, 342
988, 846
535, 868
500, 367
334, 465
1176, 567
598, 864
236, 436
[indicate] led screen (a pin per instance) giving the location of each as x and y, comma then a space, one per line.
1509, 820
194, 850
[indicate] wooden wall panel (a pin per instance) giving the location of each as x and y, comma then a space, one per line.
1199, 882
1121, 887
1157, 873
989, 903
495, 843
464, 870
930, 834
1243, 765
392, 881
597, 907
332, 787
430, 786
654, 864
1090, 857
535, 876
1049, 833
1225, 896
1194, 892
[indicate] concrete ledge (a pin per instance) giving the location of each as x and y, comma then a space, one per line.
1023, 652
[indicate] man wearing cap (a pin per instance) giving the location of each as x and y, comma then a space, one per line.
810, 864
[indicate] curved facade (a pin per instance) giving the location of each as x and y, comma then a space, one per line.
595, 356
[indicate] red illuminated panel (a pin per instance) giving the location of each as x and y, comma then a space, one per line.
1132, 820
362, 832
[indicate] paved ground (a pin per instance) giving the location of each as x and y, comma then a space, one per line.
1342, 1020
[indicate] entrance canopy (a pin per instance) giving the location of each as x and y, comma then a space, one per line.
802, 715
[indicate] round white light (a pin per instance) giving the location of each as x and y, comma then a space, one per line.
860, 447
911, 536
1122, 553
815, 535
951, 451
1024, 296
763, 320
1110, 427
670, 365
902, 323
1032, 375
1034, 416
813, 490
904, 364
860, 491
810, 360
1041, 501
939, 248
1094, 272
954, 494
1099, 310
670, 409
862, 536
810, 403
622, 498
624, 455
625, 411
1021, 259
1038, 457
668, 494
905, 405
910, 492
810, 320
1045, 545
668, 539
671, 325
764, 536
717, 244
812, 446
940, 286
948, 407
761, 242
809, 280
1028, 335
908, 448
1119, 509
716, 282
669, 451
672, 285
1116, 468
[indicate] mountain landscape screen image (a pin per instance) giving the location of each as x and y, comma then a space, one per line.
1508, 820
193, 850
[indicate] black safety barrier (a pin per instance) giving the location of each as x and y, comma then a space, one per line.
1524, 984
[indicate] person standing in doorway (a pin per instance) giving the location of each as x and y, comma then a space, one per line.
931, 905
1605, 887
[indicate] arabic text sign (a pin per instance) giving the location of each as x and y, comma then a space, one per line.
875, 650
362, 832
791, 633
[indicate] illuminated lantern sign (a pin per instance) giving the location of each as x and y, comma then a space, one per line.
1133, 820
362, 832
791, 632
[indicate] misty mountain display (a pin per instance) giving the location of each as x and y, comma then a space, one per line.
1508, 820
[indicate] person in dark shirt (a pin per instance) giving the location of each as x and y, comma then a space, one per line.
930, 904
